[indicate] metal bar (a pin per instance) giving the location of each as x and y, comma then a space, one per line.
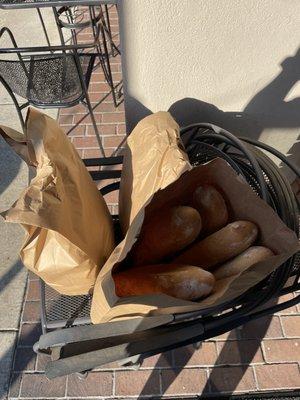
99, 175
62, 323
87, 98
51, 48
110, 188
43, 26
104, 330
51, 3
95, 162
43, 307
15, 48
110, 77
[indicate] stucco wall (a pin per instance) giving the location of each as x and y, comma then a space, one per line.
235, 63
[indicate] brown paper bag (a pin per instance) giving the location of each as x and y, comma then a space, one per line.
154, 158
176, 187
69, 234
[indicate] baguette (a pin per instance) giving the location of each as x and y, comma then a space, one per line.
242, 262
220, 246
184, 282
168, 232
212, 208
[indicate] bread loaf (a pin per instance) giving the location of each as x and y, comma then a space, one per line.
169, 231
243, 261
212, 208
220, 246
182, 281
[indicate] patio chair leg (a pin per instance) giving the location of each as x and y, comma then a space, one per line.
112, 49
91, 112
110, 78
105, 64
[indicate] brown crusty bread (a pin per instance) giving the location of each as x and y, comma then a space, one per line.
242, 262
220, 246
212, 208
169, 231
185, 282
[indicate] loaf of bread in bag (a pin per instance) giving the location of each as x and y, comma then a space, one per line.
212, 208
184, 282
220, 246
242, 262
169, 231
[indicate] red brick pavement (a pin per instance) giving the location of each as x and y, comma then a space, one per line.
263, 355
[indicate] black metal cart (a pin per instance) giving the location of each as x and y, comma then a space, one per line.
81, 346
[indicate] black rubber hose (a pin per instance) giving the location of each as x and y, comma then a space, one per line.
236, 143
275, 152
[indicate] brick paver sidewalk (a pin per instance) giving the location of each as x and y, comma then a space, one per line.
263, 355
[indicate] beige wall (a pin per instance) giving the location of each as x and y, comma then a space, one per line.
230, 62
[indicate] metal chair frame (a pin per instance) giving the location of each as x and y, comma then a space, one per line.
95, 21
79, 348
47, 52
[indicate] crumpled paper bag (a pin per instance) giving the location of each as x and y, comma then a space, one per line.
158, 174
69, 233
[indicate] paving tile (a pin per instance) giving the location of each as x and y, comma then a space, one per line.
159, 360
231, 379
112, 197
29, 334
291, 325
86, 142
121, 129
95, 384
183, 381
262, 328
4, 385
188, 355
282, 350
13, 275
37, 385
239, 352
7, 347
277, 376
113, 117
114, 141
15, 383
24, 359
137, 383
65, 119
110, 129
31, 311
290, 310
42, 361
85, 119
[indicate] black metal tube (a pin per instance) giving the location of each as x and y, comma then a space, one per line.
237, 143
51, 48
273, 151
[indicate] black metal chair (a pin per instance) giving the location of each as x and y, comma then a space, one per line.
49, 77
84, 346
